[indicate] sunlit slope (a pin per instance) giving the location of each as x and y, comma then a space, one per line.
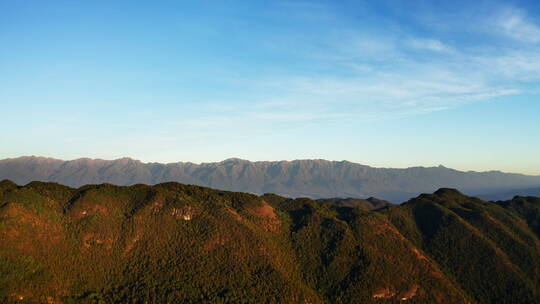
178, 243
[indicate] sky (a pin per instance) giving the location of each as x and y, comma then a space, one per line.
382, 83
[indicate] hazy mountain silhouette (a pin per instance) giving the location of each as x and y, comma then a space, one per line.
508, 194
174, 243
299, 178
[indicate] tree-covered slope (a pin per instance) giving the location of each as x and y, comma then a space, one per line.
188, 244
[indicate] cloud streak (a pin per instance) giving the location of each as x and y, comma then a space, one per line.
515, 24
429, 45
363, 75
391, 74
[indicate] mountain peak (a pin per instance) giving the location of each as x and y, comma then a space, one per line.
448, 192
234, 160
6, 183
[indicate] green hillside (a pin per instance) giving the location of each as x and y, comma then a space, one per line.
175, 243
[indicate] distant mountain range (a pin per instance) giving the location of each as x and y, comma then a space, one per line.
299, 178
508, 194
175, 243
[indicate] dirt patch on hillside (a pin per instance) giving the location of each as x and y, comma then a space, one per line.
235, 214
96, 239
410, 293
437, 274
88, 210
264, 211
19, 297
387, 227
130, 243
418, 254
267, 216
53, 300
427, 264
384, 292
12, 210
157, 205
186, 213
25, 224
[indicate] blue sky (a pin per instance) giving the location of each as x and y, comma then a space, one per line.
383, 83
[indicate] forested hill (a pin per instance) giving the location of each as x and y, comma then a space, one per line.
174, 243
299, 178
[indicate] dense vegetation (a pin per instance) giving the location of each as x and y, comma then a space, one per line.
175, 243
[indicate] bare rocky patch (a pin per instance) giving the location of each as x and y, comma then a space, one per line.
157, 205
235, 214
132, 241
89, 209
387, 227
384, 292
186, 213
418, 254
410, 293
96, 239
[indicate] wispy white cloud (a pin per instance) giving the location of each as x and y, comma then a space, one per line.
386, 74
383, 96
515, 24
429, 45
519, 65
365, 76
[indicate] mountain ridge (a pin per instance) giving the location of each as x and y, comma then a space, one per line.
237, 159
310, 178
